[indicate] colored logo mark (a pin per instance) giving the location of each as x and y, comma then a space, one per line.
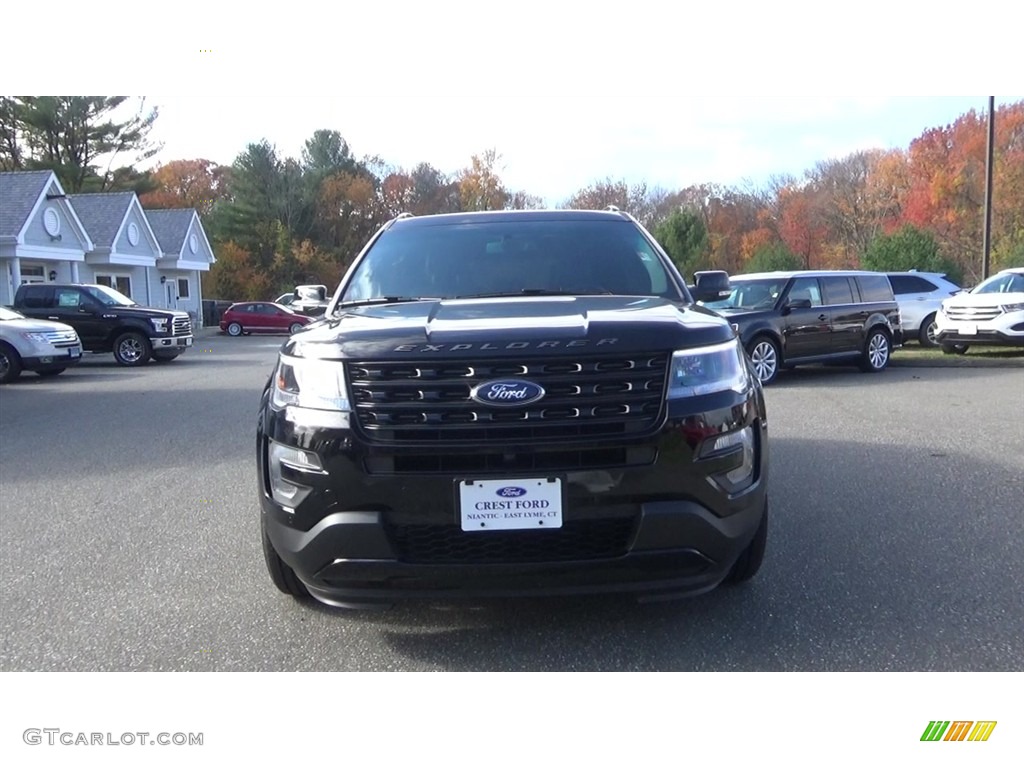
958, 730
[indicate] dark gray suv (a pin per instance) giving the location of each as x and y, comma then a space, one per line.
792, 318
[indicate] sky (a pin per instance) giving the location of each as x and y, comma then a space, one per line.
553, 146
568, 93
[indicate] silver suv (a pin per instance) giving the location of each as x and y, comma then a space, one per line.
35, 345
920, 294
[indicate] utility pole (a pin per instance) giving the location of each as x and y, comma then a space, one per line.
987, 244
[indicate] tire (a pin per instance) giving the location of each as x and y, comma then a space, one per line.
234, 329
46, 372
281, 574
132, 349
163, 358
749, 563
295, 328
877, 351
954, 349
926, 334
766, 359
10, 364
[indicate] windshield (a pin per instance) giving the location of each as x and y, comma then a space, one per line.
108, 297
515, 258
761, 293
9, 314
1011, 282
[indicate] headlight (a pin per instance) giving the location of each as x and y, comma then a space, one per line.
701, 371
305, 383
36, 338
159, 324
1013, 307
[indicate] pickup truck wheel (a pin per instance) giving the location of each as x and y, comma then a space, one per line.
132, 348
877, 351
281, 574
51, 372
10, 364
749, 563
234, 329
295, 328
764, 355
926, 336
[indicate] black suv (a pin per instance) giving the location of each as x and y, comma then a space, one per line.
791, 318
511, 403
108, 321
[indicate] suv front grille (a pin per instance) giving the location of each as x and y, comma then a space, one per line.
575, 540
62, 339
973, 314
182, 326
584, 397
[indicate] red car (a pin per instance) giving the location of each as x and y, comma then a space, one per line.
261, 317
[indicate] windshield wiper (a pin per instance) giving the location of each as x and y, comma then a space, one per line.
384, 300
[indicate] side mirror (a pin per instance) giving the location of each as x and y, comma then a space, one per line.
797, 304
711, 285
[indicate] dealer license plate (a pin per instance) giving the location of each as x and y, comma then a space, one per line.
505, 505
969, 329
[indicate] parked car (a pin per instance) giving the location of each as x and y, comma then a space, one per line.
920, 294
43, 346
262, 317
559, 418
108, 321
792, 318
990, 313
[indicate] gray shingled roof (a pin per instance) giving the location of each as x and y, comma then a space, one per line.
170, 227
19, 191
101, 214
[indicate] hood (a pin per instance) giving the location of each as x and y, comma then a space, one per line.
546, 325
31, 325
142, 312
983, 300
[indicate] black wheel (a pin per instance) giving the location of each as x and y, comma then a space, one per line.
163, 357
234, 329
765, 357
954, 349
749, 563
51, 372
281, 574
10, 363
296, 327
132, 348
877, 351
926, 335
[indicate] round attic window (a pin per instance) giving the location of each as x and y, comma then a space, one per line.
51, 221
133, 234
193, 243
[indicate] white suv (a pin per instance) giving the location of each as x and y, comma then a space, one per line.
920, 294
35, 345
991, 313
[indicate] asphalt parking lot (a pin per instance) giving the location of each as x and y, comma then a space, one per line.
129, 538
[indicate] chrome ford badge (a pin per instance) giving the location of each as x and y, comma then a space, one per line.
507, 392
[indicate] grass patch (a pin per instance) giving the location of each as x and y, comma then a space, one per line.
914, 351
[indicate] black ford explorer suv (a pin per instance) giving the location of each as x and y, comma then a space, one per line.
512, 403
108, 321
791, 318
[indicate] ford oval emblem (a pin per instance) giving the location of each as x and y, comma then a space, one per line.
507, 392
510, 492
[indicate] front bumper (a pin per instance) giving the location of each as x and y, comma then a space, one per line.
1006, 329
52, 357
180, 343
368, 532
